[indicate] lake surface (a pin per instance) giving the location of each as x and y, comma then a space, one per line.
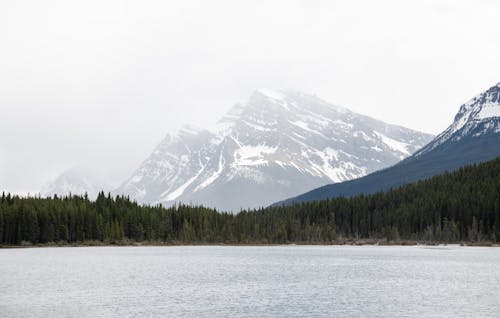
272, 281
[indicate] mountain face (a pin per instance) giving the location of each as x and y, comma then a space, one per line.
71, 181
279, 144
78, 181
473, 137
478, 117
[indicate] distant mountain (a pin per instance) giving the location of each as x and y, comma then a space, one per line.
76, 181
279, 144
473, 137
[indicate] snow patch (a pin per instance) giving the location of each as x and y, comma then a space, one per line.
180, 190
394, 144
250, 173
213, 177
273, 94
335, 174
316, 118
343, 123
257, 127
136, 178
363, 135
489, 110
305, 126
253, 155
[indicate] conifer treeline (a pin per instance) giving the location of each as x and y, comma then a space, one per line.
459, 206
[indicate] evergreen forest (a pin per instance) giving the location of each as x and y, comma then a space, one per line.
461, 206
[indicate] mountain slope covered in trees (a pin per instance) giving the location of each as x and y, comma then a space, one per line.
473, 137
460, 206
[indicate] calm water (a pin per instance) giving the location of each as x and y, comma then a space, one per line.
284, 281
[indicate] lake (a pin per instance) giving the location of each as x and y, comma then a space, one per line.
250, 281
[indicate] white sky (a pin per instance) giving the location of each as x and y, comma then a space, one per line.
97, 84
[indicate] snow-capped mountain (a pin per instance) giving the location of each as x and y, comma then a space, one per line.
76, 181
279, 144
473, 137
479, 116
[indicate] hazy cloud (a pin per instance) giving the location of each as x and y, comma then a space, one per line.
99, 83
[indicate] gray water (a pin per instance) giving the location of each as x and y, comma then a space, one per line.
274, 281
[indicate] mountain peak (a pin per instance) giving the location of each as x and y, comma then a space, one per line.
479, 116
473, 137
277, 144
189, 129
76, 181
483, 106
288, 99
488, 98
274, 94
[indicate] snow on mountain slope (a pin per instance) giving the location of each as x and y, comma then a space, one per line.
279, 144
480, 115
473, 137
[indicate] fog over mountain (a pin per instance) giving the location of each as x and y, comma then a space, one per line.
280, 143
85, 83
78, 181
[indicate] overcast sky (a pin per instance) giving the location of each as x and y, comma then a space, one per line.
97, 84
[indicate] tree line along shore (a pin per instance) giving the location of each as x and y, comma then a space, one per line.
458, 207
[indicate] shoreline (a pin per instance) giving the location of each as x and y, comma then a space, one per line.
172, 244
